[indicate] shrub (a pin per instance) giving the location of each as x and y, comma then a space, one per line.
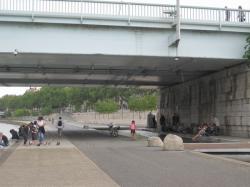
21, 112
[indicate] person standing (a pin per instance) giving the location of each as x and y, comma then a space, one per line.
175, 121
41, 130
60, 127
163, 123
33, 131
227, 14
132, 129
25, 133
241, 14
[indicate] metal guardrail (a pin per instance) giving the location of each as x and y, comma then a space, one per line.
123, 9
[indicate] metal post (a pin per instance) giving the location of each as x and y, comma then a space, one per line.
129, 6
178, 22
81, 12
33, 10
220, 15
173, 40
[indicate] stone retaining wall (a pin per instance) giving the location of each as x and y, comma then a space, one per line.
224, 95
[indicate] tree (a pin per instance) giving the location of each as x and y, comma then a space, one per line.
247, 48
46, 110
49, 99
21, 112
150, 102
142, 103
106, 106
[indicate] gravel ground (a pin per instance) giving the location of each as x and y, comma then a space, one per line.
132, 164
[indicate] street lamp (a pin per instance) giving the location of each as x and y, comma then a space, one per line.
174, 39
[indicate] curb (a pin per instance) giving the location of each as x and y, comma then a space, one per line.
238, 162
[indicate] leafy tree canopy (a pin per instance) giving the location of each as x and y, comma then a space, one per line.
107, 106
104, 99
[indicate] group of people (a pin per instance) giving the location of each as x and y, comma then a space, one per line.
241, 14
205, 129
168, 125
32, 132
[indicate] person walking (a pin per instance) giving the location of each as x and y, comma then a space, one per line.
60, 127
133, 129
41, 130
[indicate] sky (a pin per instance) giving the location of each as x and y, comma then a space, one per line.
208, 3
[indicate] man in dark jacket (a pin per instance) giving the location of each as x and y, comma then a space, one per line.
25, 133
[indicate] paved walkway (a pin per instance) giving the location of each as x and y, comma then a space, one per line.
50, 165
65, 165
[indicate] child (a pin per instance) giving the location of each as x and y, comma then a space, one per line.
132, 129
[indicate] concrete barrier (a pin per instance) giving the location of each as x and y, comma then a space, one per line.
173, 143
154, 142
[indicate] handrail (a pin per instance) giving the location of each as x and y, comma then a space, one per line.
124, 9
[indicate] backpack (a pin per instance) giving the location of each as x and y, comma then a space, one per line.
59, 123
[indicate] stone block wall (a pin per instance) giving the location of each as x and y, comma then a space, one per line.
224, 95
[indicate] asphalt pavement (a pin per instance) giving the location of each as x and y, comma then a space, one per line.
94, 158
133, 164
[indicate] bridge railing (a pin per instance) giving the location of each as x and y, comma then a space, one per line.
123, 9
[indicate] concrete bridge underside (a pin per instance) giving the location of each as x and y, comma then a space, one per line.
68, 69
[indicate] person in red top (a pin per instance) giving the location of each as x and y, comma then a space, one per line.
132, 129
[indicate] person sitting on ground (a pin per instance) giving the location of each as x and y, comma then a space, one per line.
201, 132
132, 129
3, 140
210, 130
14, 134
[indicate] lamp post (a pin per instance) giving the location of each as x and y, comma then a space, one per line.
178, 22
174, 39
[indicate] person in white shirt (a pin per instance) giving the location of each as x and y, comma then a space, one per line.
41, 130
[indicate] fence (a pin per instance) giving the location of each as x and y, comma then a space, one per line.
123, 9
